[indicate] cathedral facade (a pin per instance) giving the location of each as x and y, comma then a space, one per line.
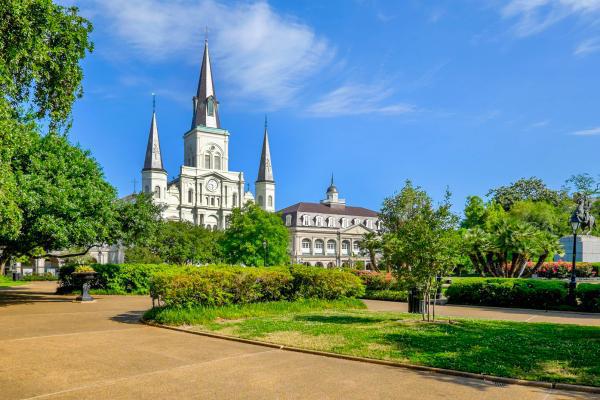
205, 191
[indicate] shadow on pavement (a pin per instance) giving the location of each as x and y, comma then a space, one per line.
27, 294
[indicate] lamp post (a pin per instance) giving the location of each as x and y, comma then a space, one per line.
266, 253
575, 224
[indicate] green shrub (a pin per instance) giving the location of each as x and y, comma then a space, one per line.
116, 278
218, 286
42, 277
508, 292
377, 280
389, 295
329, 284
589, 296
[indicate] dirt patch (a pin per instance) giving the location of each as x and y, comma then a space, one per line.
298, 339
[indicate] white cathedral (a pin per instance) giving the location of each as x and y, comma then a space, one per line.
206, 191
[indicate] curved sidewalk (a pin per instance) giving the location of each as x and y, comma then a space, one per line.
52, 348
498, 313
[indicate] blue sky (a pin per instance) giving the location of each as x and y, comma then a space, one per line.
469, 94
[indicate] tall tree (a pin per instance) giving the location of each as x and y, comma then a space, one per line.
533, 189
371, 243
254, 235
421, 240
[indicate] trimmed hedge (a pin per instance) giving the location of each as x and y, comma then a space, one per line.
116, 278
219, 286
389, 295
589, 296
41, 277
508, 292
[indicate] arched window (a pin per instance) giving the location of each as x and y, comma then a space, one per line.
261, 201
356, 247
319, 221
270, 201
288, 220
190, 196
210, 107
319, 264
212, 201
331, 246
306, 246
318, 246
330, 265
331, 222
157, 191
344, 222
345, 248
207, 161
235, 200
305, 220
217, 161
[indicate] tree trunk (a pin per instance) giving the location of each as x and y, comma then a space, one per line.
373, 260
538, 264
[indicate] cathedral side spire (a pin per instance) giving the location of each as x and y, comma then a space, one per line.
153, 159
206, 106
265, 169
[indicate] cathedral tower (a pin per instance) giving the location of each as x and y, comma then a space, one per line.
154, 176
265, 184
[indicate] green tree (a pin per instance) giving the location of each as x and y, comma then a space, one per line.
371, 243
582, 184
41, 46
249, 228
533, 189
421, 240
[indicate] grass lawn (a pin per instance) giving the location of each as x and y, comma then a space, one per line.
5, 281
534, 351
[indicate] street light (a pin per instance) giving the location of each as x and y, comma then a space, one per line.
266, 253
575, 224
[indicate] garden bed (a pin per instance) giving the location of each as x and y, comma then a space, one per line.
532, 351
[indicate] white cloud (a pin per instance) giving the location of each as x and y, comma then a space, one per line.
588, 46
534, 16
587, 132
261, 54
354, 99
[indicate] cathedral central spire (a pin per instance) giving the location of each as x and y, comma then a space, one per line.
265, 169
206, 106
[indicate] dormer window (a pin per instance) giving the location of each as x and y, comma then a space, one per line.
210, 107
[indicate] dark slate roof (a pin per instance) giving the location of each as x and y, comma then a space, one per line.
205, 90
153, 159
265, 169
319, 208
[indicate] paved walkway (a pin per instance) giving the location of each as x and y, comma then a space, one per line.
52, 348
506, 314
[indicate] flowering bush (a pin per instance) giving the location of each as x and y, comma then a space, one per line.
377, 280
562, 269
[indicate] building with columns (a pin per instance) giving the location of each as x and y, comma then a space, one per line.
328, 234
205, 191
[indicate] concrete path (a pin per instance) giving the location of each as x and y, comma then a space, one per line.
506, 314
52, 348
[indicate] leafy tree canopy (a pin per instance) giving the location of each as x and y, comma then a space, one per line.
533, 189
41, 45
249, 227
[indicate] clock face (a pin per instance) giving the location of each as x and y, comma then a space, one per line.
212, 185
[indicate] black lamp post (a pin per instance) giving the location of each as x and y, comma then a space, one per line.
575, 224
266, 248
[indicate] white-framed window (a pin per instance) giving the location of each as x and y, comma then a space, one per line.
345, 222
288, 220
261, 201
331, 246
305, 246
319, 221
369, 223
190, 196
235, 204
210, 107
331, 222
356, 221
157, 191
379, 225
270, 202
218, 161
356, 247
319, 246
345, 248
207, 161
305, 220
